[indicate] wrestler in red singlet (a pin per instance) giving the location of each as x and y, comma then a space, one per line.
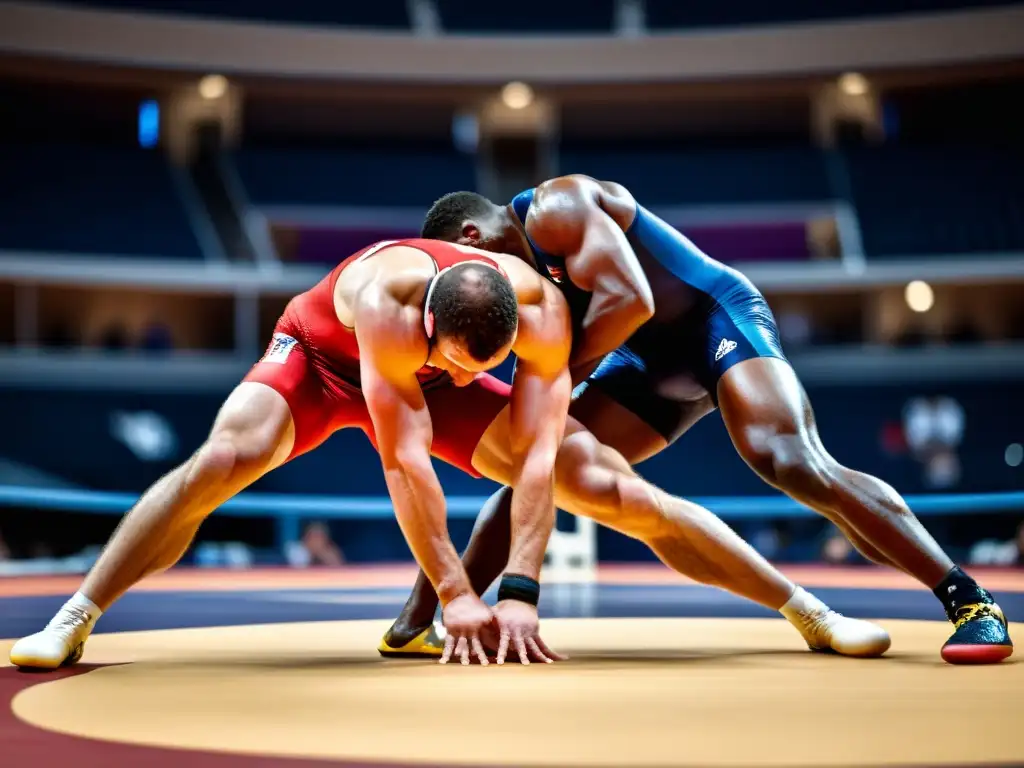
313, 362
350, 352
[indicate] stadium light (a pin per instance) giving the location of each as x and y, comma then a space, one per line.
919, 295
213, 87
853, 84
1014, 455
517, 95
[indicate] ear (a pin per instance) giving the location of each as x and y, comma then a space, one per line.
470, 233
428, 324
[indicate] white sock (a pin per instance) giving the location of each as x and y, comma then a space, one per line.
801, 602
78, 600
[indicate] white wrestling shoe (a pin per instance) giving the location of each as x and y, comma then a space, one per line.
61, 643
825, 630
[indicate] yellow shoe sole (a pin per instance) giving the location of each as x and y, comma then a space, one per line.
426, 645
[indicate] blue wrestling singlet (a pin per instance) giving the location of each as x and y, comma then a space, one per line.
708, 317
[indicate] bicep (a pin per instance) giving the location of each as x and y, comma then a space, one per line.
542, 385
598, 257
539, 409
605, 260
392, 392
401, 420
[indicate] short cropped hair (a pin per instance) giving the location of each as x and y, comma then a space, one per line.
477, 307
445, 218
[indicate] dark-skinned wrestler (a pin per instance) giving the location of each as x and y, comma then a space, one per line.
663, 336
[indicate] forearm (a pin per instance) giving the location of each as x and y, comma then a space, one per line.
606, 327
422, 516
533, 517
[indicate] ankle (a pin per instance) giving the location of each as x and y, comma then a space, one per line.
958, 589
800, 603
79, 602
417, 619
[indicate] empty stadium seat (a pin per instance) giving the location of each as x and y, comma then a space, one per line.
935, 201
672, 14
80, 435
527, 16
537, 16
382, 14
374, 176
108, 201
680, 177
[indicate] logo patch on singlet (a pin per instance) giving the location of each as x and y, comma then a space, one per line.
724, 349
279, 349
557, 273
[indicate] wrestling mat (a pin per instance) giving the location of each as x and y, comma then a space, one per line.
267, 668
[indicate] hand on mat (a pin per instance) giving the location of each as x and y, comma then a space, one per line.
519, 626
465, 618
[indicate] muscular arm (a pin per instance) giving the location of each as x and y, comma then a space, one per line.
391, 353
566, 219
541, 391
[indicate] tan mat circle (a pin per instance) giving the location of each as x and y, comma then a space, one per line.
638, 692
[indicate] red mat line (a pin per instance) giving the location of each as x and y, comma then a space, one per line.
26, 746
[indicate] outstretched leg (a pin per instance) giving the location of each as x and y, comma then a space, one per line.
487, 552
772, 426
252, 434
596, 481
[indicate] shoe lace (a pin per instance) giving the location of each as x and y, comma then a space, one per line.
965, 613
69, 620
818, 621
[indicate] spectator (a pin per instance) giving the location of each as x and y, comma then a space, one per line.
317, 548
157, 338
993, 552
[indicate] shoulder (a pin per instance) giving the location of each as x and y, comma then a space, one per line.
565, 193
564, 207
390, 334
545, 326
579, 190
399, 274
558, 216
388, 311
526, 281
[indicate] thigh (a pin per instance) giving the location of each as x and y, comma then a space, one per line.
615, 425
319, 404
661, 409
461, 416
261, 420
741, 327
767, 413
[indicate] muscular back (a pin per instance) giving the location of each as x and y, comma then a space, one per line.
388, 283
559, 215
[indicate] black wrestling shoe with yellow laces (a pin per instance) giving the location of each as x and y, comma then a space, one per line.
981, 634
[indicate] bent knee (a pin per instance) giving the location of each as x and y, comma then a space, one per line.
797, 467
592, 480
229, 453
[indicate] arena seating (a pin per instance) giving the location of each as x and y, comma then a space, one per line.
669, 14
370, 176
527, 16
655, 175
934, 201
92, 200
670, 176
80, 436
537, 16
382, 14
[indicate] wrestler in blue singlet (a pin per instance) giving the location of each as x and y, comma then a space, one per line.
708, 317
